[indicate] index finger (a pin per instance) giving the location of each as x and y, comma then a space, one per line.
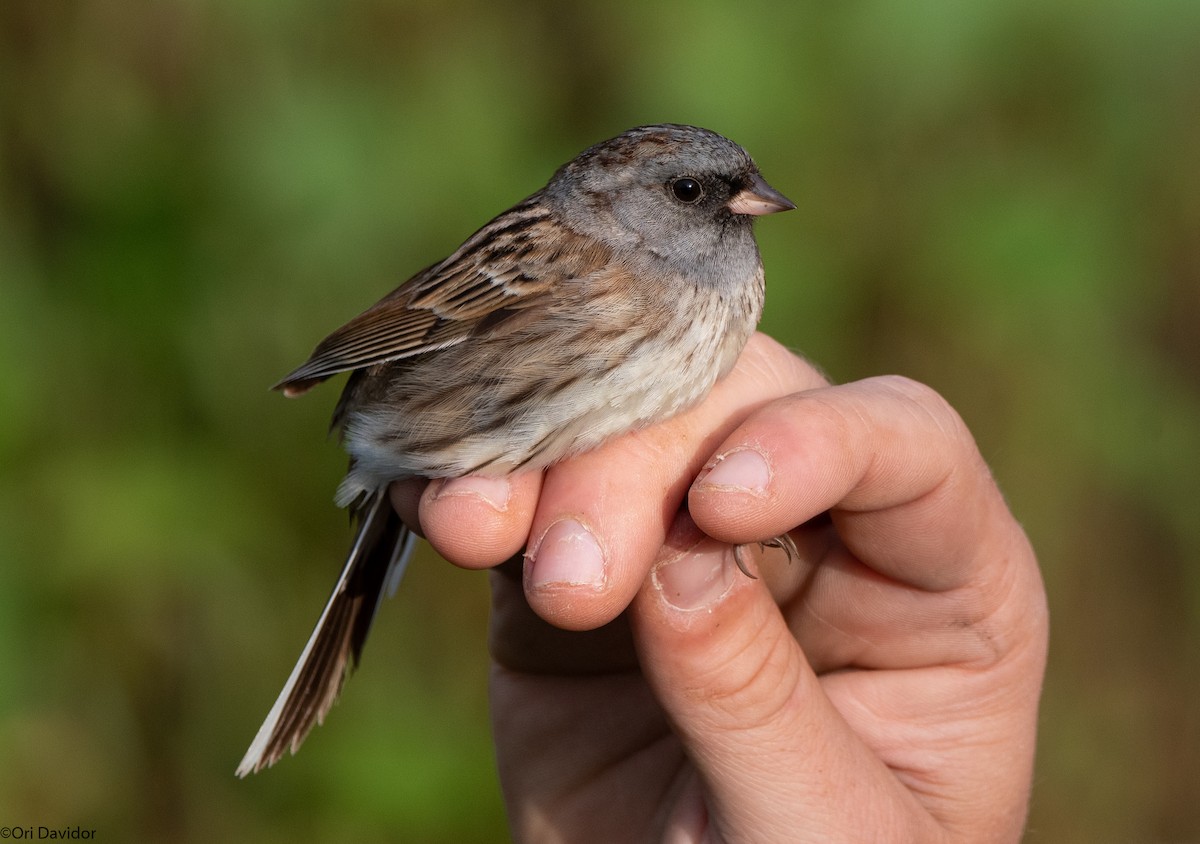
894, 464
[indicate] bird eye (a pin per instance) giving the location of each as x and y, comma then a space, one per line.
687, 190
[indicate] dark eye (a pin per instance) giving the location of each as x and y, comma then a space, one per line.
687, 190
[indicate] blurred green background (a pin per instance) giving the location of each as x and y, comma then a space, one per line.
1001, 199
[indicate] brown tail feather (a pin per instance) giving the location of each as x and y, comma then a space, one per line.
381, 548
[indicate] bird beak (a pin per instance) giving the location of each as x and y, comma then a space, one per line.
758, 198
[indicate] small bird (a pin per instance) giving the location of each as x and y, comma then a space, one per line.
611, 299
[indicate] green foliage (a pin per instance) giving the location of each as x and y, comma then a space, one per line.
1002, 200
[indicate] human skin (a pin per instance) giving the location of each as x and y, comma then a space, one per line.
883, 686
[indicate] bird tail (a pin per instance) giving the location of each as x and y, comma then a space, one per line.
373, 569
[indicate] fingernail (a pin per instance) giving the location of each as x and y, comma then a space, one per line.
742, 470
494, 492
567, 555
697, 578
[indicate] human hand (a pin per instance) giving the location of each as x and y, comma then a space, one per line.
882, 687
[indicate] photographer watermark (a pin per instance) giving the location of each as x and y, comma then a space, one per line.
46, 833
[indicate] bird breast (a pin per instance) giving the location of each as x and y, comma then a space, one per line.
585, 372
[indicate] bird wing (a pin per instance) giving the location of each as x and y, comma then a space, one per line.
507, 266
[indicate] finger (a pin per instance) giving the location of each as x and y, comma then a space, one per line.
478, 522
890, 458
522, 642
750, 711
929, 567
929, 573
406, 499
603, 515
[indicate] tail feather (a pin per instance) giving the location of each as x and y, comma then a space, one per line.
373, 569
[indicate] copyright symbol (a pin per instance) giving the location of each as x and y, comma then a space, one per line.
5, 832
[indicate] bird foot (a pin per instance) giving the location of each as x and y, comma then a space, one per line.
783, 541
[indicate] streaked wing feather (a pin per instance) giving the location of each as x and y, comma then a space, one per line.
502, 267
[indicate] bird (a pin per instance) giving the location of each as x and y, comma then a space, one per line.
613, 298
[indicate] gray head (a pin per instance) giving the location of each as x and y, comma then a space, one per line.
681, 192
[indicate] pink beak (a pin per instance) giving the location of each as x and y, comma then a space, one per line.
759, 198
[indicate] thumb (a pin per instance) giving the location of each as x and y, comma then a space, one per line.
777, 761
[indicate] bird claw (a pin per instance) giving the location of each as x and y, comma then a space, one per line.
783, 542
738, 550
